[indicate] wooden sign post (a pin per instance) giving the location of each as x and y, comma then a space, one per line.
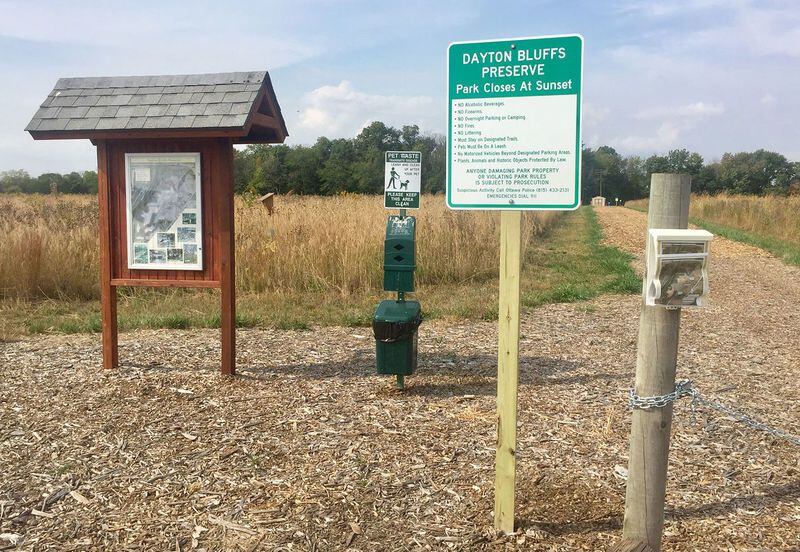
513, 144
507, 369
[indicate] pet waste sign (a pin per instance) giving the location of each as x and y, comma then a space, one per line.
401, 182
514, 124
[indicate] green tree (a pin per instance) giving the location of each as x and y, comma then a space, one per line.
336, 172
755, 172
16, 181
683, 161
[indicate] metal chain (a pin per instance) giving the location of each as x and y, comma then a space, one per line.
697, 398
684, 388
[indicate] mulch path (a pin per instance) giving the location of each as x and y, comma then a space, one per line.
309, 450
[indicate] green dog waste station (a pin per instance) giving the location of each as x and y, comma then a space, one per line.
396, 322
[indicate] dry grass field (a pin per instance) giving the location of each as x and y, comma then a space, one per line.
315, 262
49, 245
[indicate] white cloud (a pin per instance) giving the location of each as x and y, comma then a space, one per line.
672, 121
666, 9
688, 112
768, 99
666, 136
342, 111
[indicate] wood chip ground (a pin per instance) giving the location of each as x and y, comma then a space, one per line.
309, 450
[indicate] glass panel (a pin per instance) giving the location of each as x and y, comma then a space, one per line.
675, 248
164, 211
681, 281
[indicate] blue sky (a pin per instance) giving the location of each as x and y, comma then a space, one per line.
709, 75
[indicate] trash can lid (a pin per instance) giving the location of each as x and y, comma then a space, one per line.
397, 311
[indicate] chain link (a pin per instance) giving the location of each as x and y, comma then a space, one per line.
684, 388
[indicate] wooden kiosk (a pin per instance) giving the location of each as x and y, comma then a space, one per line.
165, 178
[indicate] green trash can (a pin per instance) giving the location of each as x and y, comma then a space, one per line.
395, 327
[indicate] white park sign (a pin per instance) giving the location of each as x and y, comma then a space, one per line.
514, 123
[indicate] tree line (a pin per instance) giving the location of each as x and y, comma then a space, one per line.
19, 181
356, 165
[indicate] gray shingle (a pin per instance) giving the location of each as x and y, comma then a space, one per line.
86, 100
121, 99
213, 97
62, 100
182, 121
151, 90
233, 120
145, 99
242, 108
149, 102
112, 123
102, 111
53, 124
132, 111
82, 124
156, 110
47, 113
198, 88
206, 121
217, 108
191, 109
230, 88
136, 122
72, 92
174, 98
157, 122
72, 112
237, 97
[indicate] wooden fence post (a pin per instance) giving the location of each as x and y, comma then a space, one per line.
655, 375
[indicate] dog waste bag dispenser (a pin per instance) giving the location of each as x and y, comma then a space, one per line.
399, 255
677, 274
396, 321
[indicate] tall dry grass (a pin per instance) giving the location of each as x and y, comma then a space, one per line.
770, 216
49, 245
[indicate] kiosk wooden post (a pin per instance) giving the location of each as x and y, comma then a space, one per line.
655, 375
108, 293
227, 262
192, 122
507, 370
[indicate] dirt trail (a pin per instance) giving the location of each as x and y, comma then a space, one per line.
309, 449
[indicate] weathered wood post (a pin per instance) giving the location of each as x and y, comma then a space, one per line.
655, 375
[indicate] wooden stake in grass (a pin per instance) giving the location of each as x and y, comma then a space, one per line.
507, 370
655, 375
